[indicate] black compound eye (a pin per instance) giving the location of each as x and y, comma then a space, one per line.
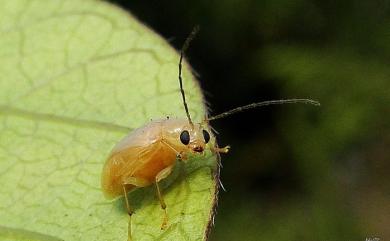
206, 136
185, 137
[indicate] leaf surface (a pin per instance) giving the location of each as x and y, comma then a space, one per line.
72, 74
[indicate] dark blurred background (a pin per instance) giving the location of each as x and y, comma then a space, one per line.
295, 172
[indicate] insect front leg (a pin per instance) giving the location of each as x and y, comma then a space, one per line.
161, 175
221, 150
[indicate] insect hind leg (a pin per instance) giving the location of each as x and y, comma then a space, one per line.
134, 183
129, 211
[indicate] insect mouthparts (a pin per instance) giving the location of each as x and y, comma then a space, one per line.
198, 149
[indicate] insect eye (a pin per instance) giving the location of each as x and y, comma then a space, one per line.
185, 137
206, 136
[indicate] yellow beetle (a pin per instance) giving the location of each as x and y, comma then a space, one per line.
148, 154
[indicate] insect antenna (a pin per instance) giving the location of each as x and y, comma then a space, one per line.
263, 103
182, 51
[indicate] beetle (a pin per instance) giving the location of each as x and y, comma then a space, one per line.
148, 154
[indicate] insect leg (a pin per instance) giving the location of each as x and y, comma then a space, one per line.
161, 175
221, 150
216, 150
163, 206
135, 182
129, 211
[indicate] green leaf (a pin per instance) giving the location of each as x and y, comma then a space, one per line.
71, 74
